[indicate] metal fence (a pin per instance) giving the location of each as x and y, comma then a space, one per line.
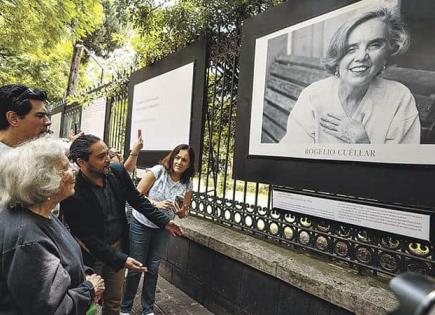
116, 128
245, 206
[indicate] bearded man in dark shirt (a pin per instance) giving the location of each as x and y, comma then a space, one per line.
96, 215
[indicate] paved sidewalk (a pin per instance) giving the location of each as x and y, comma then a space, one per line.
171, 300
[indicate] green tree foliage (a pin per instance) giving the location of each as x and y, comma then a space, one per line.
113, 32
164, 29
36, 40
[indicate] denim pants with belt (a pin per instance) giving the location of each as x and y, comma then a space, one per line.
148, 246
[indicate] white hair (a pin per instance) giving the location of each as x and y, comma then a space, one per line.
30, 173
398, 37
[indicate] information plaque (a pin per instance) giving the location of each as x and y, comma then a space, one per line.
410, 224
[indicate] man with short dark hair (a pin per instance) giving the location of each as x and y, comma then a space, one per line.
23, 115
96, 216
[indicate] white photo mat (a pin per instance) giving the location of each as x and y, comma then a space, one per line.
162, 109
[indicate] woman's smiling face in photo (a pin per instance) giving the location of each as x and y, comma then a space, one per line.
366, 53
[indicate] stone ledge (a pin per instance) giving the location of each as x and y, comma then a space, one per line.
363, 295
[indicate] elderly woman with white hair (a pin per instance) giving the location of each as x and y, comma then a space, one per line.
41, 267
355, 104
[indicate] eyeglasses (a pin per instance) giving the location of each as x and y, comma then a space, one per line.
31, 94
73, 167
28, 95
70, 166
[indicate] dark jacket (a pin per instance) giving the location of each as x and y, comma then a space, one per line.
41, 267
84, 215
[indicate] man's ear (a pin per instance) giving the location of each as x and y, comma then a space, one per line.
80, 162
13, 118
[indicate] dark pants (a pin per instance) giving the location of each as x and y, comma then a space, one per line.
113, 281
148, 246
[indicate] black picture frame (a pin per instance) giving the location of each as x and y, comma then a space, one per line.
388, 183
197, 53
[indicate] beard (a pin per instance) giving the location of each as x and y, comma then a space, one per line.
98, 172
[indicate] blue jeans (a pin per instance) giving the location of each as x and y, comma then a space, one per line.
148, 246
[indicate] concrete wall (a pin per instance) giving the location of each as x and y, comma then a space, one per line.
226, 286
232, 273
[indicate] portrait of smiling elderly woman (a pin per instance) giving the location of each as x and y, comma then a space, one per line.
42, 271
355, 104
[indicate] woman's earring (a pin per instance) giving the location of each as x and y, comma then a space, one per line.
337, 73
384, 67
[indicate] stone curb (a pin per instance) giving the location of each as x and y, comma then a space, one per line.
364, 295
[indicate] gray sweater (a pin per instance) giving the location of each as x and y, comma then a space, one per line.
41, 268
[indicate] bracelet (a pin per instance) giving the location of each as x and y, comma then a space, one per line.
134, 154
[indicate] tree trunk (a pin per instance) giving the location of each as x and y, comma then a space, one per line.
74, 70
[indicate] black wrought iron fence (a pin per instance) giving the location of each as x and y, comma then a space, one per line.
116, 127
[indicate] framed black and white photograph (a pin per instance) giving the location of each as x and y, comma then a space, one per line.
335, 87
339, 87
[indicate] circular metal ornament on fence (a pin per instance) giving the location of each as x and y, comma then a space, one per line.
389, 262
322, 243
261, 225
237, 217
209, 209
248, 221
304, 237
219, 212
288, 233
341, 248
273, 228
364, 254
